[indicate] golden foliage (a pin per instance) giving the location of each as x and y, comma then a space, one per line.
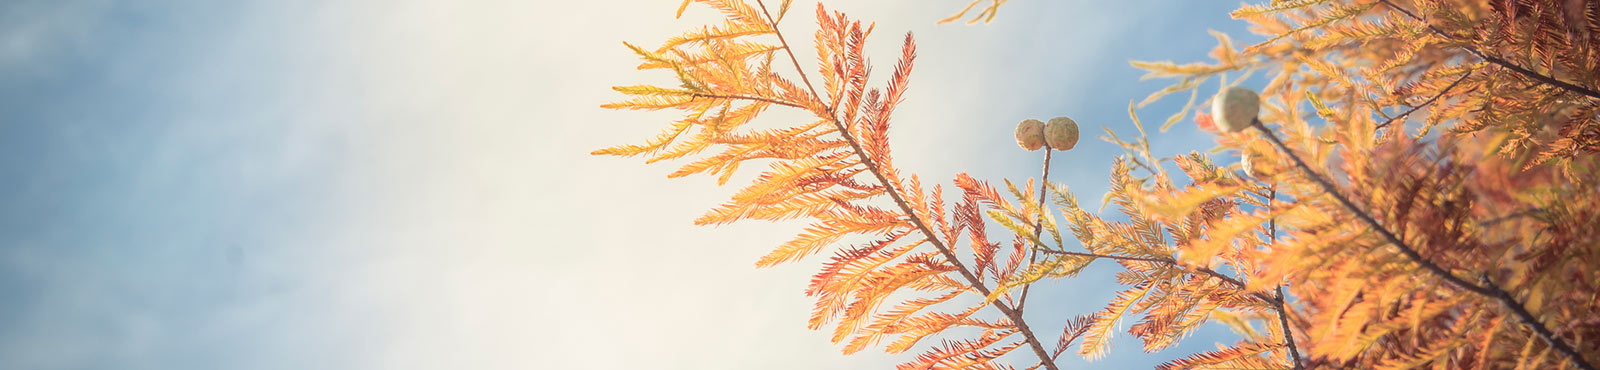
1447, 289
1474, 246
838, 173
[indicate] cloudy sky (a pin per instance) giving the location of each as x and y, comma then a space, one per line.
405, 184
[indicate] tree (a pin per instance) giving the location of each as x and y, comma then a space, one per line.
1420, 192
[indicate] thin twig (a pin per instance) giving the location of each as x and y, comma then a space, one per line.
1512, 216
1230, 280
1488, 289
1169, 262
1038, 224
1283, 309
1425, 104
922, 226
1497, 60
1288, 336
1106, 256
746, 97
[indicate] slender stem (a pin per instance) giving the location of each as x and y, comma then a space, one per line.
1106, 256
1168, 262
1038, 225
1288, 336
1231, 280
796, 62
899, 200
746, 97
1497, 60
1488, 289
1283, 309
1425, 104
1514, 215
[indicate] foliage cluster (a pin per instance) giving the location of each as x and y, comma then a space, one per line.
1422, 193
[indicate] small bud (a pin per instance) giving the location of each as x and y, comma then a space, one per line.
1030, 134
1244, 161
1061, 133
1257, 166
1235, 108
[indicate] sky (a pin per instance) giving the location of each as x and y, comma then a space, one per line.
406, 184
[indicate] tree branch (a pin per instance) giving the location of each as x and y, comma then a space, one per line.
1488, 289
1425, 104
1552, 81
1528, 319
922, 226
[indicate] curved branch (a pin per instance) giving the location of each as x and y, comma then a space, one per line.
1488, 289
899, 200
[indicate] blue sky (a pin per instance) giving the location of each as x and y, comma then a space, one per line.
405, 184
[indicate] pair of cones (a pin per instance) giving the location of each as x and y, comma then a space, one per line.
1061, 133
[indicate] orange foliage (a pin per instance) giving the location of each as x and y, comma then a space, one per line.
1360, 239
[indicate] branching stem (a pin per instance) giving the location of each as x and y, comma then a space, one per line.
1488, 289
899, 200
